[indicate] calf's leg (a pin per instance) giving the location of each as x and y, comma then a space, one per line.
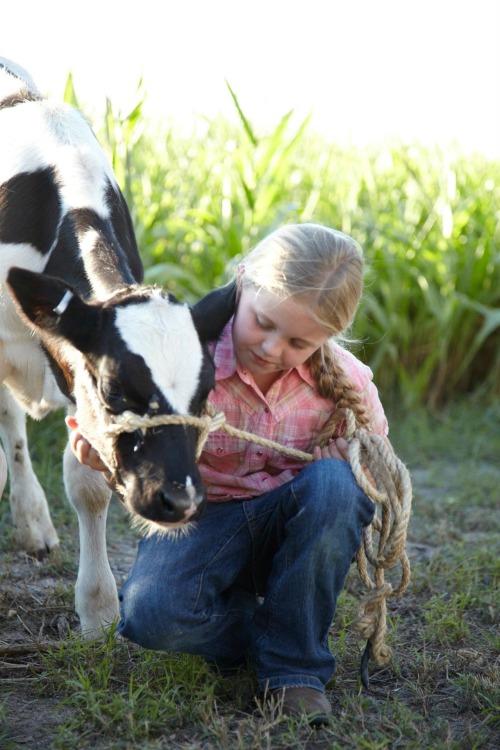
96, 597
28, 504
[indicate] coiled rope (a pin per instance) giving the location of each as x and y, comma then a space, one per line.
369, 454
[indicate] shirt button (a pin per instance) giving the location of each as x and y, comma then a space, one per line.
220, 451
260, 453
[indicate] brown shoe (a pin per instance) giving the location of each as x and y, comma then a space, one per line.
303, 701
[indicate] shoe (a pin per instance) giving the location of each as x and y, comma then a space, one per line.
303, 701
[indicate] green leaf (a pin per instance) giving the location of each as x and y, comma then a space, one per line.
244, 120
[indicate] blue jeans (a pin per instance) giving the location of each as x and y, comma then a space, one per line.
255, 579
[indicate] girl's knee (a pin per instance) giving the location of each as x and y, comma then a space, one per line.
154, 624
329, 490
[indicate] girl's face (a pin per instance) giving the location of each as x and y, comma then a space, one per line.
271, 335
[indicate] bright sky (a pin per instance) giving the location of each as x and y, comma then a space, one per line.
369, 70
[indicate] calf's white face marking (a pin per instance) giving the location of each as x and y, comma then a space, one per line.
169, 345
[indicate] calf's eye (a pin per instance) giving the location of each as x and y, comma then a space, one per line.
112, 394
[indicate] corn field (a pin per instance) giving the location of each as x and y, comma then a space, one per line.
427, 219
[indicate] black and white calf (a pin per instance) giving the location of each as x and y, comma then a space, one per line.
78, 330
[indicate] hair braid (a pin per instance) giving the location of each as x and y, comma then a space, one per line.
332, 383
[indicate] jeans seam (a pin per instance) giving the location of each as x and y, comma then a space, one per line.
288, 681
209, 562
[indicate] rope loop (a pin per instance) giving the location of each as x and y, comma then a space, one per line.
371, 622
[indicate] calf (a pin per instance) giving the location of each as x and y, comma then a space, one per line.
79, 331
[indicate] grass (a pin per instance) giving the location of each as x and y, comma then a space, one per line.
427, 219
441, 690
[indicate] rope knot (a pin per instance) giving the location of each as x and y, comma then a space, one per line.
371, 622
209, 422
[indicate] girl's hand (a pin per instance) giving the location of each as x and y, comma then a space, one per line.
82, 449
336, 448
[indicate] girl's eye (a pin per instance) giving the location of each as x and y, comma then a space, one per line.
262, 325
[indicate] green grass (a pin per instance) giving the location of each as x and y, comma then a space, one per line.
427, 218
429, 321
440, 691
111, 680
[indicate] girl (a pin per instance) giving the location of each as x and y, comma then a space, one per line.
257, 578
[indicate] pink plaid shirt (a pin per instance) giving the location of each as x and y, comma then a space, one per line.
291, 413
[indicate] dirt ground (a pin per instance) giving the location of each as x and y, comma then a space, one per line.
36, 609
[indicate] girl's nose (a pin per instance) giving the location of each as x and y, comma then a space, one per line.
272, 346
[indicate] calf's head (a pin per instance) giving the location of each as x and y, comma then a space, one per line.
140, 351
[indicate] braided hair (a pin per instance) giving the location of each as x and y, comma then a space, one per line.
332, 383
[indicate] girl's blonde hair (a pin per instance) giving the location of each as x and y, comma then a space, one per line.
316, 265
321, 268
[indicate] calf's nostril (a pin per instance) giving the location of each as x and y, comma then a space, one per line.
169, 507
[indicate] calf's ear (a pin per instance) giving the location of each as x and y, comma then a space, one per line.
213, 311
52, 307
